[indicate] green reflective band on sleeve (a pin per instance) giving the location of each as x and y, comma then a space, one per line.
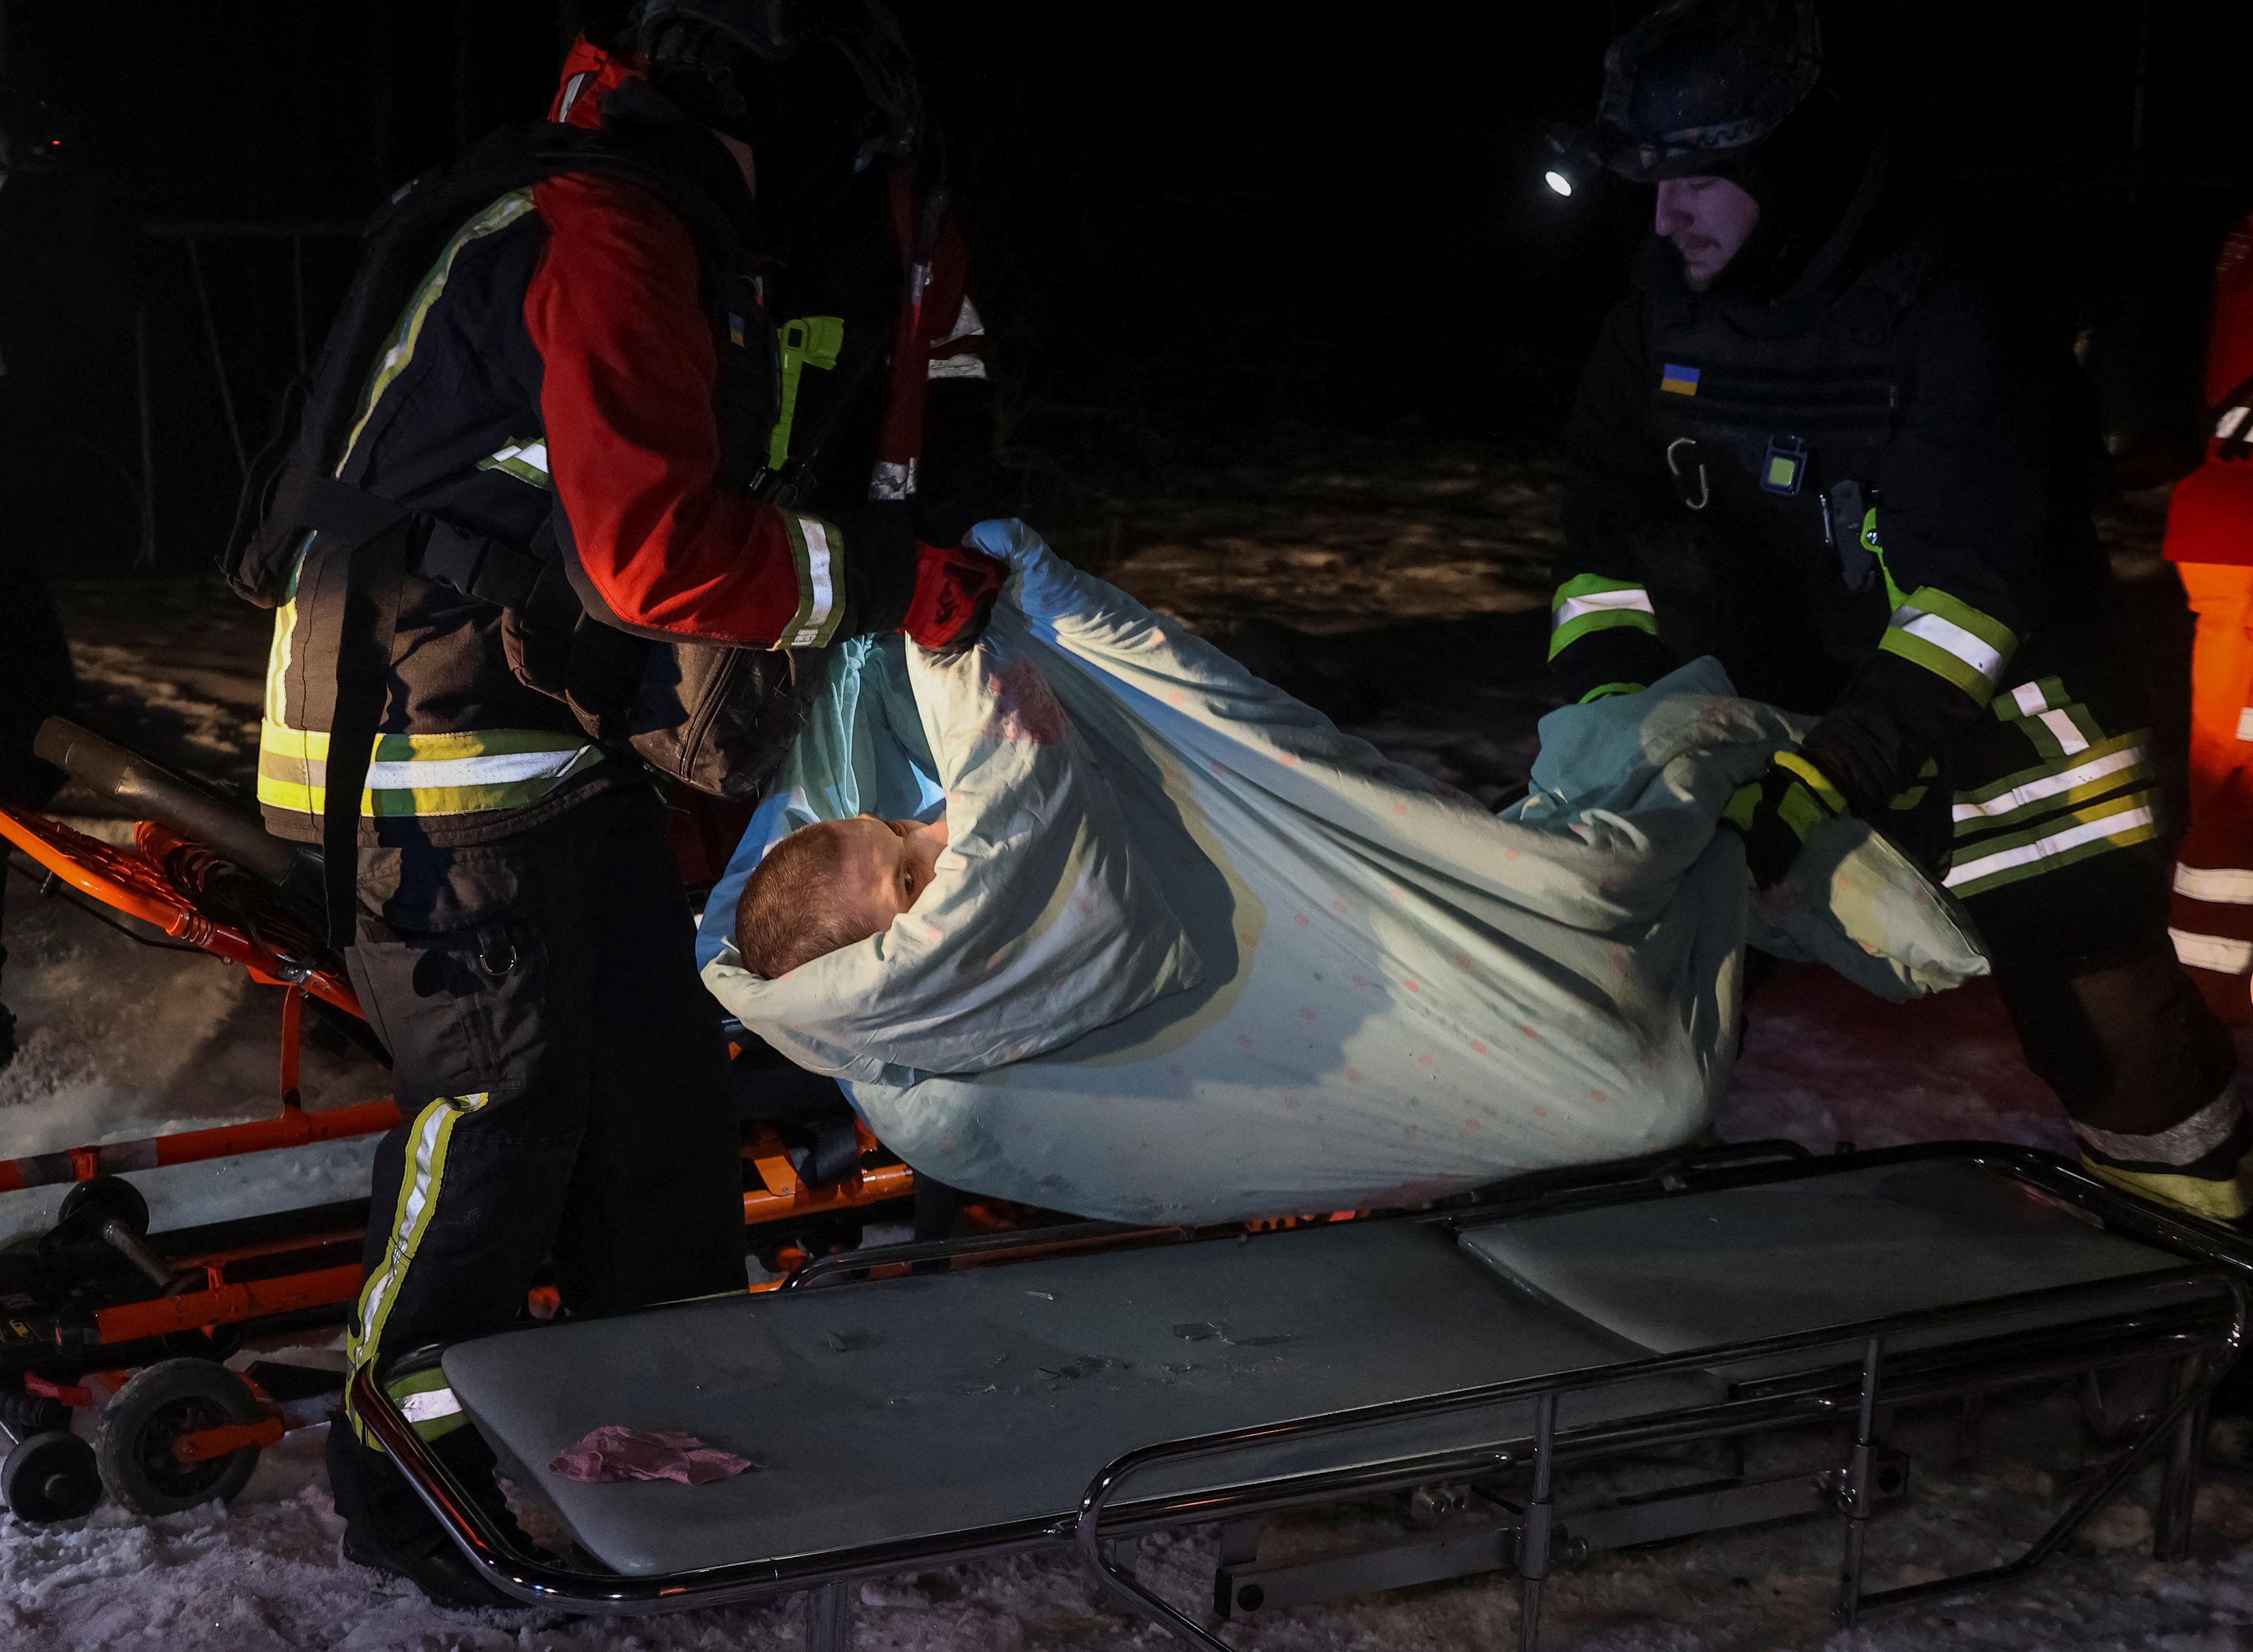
1913, 794
1817, 781
2058, 841
1605, 691
465, 773
1951, 639
1742, 804
1590, 603
2060, 785
814, 546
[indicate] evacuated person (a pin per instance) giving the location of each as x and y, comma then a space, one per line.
830, 884
1799, 446
694, 363
2210, 541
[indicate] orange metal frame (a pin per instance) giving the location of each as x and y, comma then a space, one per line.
133, 882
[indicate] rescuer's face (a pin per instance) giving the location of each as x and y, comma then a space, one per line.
887, 865
1707, 218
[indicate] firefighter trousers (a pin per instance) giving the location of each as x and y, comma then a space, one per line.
2045, 819
563, 1081
2211, 918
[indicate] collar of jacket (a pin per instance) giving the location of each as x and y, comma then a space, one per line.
674, 146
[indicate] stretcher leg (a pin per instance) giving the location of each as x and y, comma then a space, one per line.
828, 1619
2178, 1490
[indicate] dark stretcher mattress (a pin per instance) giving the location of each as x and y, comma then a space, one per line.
949, 1403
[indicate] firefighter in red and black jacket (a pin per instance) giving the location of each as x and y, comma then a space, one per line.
709, 374
1807, 445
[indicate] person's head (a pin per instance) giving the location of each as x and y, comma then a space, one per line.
1724, 107
830, 884
811, 88
1708, 218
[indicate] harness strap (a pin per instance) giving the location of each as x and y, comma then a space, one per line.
378, 571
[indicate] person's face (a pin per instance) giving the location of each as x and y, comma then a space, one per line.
888, 866
1707, 218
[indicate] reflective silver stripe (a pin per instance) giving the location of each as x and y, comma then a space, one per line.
2051, 785
2217, 952
2245, 723
2227, 425
2223, 885
532, 453
962, 366
2178, 1144
817, 582
429, 1406
2031, 702
891, 480
2069, 737
1946, 634
967, 324
421, 774
1574, 608
571, 93
2047, 848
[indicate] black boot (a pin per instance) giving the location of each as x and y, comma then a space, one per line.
388, 1527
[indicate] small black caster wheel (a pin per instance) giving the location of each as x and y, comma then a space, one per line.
50, 1476
93, 1202
133, 1441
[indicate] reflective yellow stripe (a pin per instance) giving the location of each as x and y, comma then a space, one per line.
425, 774
1952, 639
1590, 603
813, 545
2106, 766
2217, 1200
2058, 842
1817, 782
427, 1400
399, 349
419, 1189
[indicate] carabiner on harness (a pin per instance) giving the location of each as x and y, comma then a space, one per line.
1704, 493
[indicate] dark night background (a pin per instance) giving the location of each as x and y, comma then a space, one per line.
1203, 233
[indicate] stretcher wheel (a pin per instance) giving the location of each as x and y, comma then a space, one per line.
94, 1201
133, 1442
50, 1476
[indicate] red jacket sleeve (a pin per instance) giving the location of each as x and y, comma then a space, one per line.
616, 312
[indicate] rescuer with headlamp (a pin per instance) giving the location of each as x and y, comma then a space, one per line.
1804, 445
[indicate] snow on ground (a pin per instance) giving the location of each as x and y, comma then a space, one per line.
122, 1039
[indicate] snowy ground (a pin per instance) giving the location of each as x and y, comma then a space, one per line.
1404, 593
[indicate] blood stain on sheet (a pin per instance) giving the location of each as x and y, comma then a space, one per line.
1400, 808
1510, 855
1462, 960
1423, 1061
1353, 1075
1290, 760
1529, 1032
1306, 1012
1338, 906
1245, 1040
1594, 1095
1411, 985
1177, 697
1025, 707
1300, 918
1218, 767
1174, 1070
1473, 1125
1540, 1111
1360, 980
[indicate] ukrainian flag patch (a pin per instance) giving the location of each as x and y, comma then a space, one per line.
1683, 381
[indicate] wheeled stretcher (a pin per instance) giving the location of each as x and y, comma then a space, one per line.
1538, 1370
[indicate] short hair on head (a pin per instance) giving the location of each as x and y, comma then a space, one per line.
789, 913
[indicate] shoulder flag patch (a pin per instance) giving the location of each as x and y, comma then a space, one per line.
1683, 381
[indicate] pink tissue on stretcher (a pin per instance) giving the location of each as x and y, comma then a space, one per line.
615, 1452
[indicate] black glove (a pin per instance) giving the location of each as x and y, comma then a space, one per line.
1779, 811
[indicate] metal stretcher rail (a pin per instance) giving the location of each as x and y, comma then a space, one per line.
2139, 1317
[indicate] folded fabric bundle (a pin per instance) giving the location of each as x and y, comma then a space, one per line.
616, 1453
1193, 953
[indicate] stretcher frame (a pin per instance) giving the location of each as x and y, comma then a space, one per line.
2144, 1319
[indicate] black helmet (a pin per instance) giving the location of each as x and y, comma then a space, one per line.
1698, 82
767, 71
